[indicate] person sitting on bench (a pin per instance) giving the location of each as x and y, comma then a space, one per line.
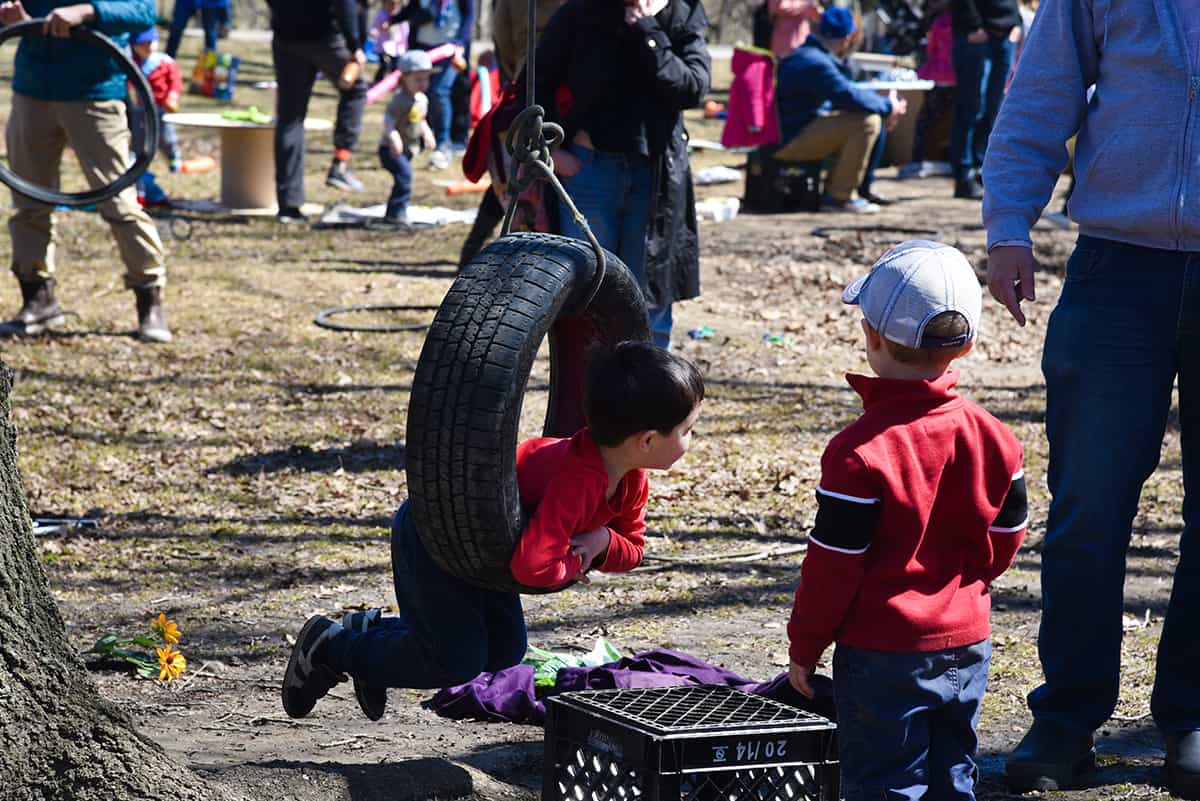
821, 113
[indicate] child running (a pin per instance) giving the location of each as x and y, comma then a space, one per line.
166, 85
921, 506
406, 131
586, 500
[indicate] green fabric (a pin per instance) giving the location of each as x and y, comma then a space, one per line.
546, 664
47, 68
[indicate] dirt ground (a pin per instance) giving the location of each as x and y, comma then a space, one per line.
243, 476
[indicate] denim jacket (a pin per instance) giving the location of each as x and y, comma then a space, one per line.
1138, 145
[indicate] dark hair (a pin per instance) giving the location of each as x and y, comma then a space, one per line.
947, 325
636, 386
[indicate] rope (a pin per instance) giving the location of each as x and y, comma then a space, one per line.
530, 148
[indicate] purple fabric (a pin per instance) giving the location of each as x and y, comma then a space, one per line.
509, 695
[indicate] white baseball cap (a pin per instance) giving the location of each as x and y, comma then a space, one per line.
910, 285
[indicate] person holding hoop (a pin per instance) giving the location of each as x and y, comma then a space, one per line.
68, 93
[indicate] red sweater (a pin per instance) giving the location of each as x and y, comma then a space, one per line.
164, 76
564, 484
921, 505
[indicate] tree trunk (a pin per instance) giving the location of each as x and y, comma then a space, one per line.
58, 738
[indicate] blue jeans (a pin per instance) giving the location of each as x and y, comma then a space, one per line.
402, 179
1126, 326
612, 191
447, 633
906, 721
441, 110
210, 20
982, 71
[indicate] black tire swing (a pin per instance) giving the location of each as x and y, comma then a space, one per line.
470, 381
142, 158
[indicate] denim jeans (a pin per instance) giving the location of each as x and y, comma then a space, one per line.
402, 180
1125, 328
441, 110
612, 191
447, 633
210, 20
906, 721
982, 71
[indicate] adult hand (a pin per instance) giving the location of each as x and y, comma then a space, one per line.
12, 13
636, 9
798, 678
977, 36
1010, 277
589, 545
899, 109
566, 163
61, 20
360, 57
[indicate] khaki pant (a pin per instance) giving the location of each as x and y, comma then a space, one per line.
97, 130
848, 136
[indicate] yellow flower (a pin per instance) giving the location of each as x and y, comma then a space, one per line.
166, 628
171, 664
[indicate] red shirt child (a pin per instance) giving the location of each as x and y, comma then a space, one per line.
161, 71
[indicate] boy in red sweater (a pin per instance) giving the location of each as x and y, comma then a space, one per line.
586, 500
921, 506
166, 85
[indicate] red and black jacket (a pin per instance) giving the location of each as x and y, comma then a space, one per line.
921, 505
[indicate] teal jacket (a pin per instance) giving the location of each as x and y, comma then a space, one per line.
63, 69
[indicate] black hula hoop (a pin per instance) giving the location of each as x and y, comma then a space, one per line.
322, 319
142, 159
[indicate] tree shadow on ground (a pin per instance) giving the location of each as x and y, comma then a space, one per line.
362, 456
410, 780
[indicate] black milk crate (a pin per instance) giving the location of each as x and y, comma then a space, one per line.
685, 744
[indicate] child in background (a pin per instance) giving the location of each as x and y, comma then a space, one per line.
585, 496
166, 85
406, 131
921, 506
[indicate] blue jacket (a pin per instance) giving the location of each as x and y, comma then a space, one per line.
1138, 139
808, 82
62, 69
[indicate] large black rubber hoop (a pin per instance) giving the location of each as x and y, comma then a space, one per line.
465, 408
142, 159
324, 319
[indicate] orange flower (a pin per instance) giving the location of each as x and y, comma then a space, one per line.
171, 663
166, 629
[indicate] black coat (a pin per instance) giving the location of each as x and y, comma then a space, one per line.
628, 88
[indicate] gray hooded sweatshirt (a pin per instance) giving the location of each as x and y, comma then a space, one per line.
1137, 156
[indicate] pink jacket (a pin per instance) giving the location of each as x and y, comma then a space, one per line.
791, 22
751, 119
939, 53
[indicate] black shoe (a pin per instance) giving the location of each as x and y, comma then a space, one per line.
289, 215
1050, 758
308, 678
968, 188
371, 700
39, 310
1183, 764
340, 177
875, 197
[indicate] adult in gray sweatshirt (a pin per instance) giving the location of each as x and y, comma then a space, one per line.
1126, 326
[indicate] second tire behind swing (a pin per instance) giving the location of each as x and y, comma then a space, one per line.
470, 382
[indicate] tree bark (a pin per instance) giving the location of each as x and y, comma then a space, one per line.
58, 738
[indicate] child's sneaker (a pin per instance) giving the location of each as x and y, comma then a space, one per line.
340, 177
371, 700
440, 158
308, 678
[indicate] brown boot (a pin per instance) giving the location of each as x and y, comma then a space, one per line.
39, 312
152, 320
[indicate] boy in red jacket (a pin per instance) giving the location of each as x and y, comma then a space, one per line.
586, 500
921, 506
166, 85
